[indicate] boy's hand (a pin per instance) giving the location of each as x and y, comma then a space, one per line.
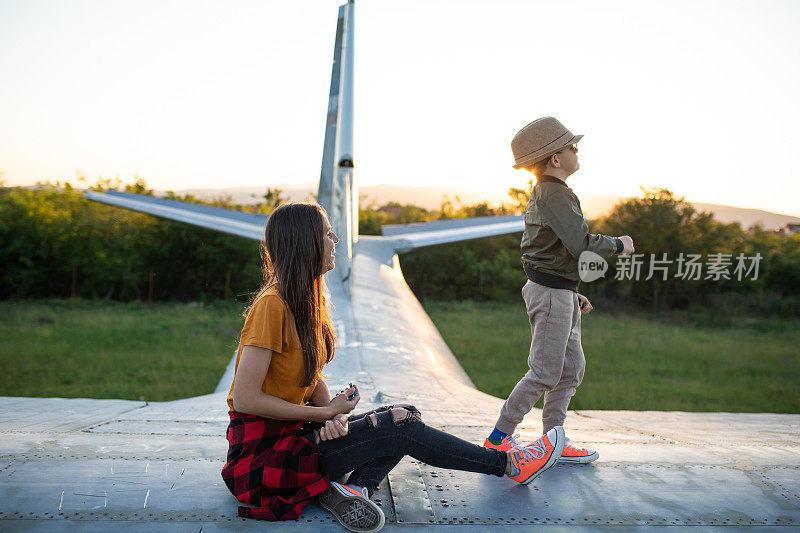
627, 243
586, 307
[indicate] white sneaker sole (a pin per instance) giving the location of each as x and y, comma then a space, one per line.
558, 449
582, 460
356, 513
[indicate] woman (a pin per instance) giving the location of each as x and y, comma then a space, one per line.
288, 437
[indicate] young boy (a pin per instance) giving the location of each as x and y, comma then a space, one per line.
555, 235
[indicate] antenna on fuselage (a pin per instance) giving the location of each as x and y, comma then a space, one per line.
337, 192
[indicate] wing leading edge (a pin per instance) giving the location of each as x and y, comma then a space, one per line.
247, 225
409, 237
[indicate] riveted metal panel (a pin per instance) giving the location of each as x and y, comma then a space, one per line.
410, 497
160, 427
784, 482
613, 494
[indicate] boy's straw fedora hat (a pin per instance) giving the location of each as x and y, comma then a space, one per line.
541, 138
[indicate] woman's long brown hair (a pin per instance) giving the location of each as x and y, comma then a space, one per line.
292, 256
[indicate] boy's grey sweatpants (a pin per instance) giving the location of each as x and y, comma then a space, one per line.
556, 358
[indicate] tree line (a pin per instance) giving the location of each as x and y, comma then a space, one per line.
55, 243
50, 233
665, 228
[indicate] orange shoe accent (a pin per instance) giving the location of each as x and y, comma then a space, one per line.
510, 441
538, 456
354, 492
574, 454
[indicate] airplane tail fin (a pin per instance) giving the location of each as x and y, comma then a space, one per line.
338, 192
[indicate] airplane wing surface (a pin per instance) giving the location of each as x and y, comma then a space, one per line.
100, 465
391, 230
248, 225
408, 237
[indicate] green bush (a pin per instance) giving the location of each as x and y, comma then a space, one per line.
49, 231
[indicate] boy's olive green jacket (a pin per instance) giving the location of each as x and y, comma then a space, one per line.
556, 232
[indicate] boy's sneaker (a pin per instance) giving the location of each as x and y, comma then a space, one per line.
573, 454
353, 509
505, 445
535, 458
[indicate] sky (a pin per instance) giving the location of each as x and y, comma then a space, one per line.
700, 97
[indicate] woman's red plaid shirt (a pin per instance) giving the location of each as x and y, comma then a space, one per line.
271, 464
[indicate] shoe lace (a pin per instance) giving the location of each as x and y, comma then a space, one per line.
568, 444
512, 439
534, 450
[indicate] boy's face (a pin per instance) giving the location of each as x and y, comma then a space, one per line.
567, 159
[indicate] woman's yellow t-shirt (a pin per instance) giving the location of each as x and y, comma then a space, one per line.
269, 325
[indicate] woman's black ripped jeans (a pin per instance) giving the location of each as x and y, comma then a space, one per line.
377, 440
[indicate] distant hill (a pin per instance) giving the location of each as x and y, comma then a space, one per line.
596, 205
431, 198
747, 217
251, 195
427, 197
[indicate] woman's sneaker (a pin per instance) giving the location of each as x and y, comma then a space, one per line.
573, 454
535, 458
353, 509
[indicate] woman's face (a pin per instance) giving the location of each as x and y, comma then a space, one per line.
329, 240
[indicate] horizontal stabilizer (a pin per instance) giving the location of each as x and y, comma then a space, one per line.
411, 236
247, 225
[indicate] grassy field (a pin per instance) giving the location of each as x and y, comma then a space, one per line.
115, 350
98, 349
638, 363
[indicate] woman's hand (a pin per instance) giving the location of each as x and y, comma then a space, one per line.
334, 428
341, 405
586, 307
